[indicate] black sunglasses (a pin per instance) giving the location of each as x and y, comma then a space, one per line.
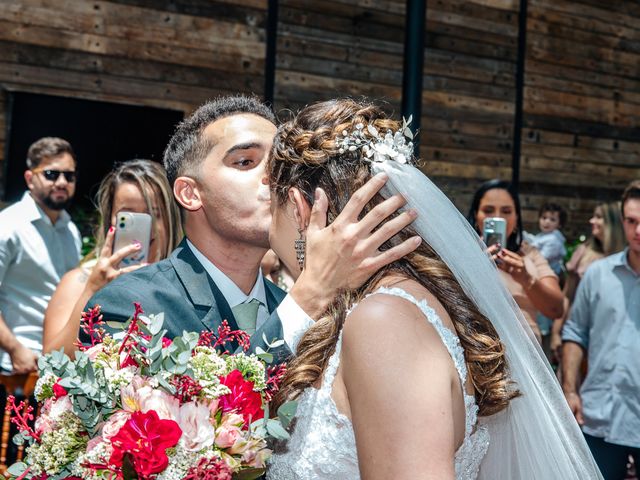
52, 175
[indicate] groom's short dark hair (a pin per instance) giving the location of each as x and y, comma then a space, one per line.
187, 148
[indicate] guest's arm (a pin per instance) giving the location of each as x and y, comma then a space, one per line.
23, 359
543, 291
575, 336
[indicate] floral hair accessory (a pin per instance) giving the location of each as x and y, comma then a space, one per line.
396, 146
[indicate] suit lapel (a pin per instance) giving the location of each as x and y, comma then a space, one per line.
200, 288
274, 295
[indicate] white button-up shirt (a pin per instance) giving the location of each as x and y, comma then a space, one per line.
294, 320
34, 255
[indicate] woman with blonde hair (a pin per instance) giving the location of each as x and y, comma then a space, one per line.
607, 237
427, 371
139, 186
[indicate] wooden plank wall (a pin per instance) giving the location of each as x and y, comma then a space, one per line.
355, 47
582, 87
339, 48
581, 142
469, 91
161, 53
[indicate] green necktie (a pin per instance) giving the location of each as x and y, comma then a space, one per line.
246, 315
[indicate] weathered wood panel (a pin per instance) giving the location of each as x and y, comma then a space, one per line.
580, 140
582, 92
160, 53
468, 99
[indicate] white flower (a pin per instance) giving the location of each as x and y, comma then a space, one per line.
393, 146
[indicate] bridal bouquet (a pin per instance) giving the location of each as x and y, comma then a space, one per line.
145, 407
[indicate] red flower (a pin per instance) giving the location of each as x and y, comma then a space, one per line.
242, 398
58, 390
209, 469
145, 438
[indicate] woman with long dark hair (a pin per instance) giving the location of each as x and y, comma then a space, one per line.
523, 269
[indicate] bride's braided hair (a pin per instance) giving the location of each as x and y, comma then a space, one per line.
305, 156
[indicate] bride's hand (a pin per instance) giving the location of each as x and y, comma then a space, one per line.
345, 254
106, 269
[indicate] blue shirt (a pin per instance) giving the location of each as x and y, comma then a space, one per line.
605, 320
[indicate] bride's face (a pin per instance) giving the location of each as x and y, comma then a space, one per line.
283, 233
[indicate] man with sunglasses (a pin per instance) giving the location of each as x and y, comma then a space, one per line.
38, 244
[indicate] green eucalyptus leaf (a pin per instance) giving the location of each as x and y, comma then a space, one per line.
116, 325
275, 429
17, 469
156, 323
265, 357
286, 412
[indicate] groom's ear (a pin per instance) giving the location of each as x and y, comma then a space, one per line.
187, 193
301, 208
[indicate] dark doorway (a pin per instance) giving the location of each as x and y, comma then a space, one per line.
101, 134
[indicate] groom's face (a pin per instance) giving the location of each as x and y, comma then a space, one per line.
235, 200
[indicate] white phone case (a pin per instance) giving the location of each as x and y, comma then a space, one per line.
132, 227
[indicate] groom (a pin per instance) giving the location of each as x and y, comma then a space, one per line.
216, 164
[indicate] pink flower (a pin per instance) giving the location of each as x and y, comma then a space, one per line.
227, 436
166, 406
114, 424
93, 352
195, 422
139, 396
230, 431
44, 424
93, 443
256, 457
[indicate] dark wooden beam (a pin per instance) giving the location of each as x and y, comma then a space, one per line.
518, 116
270, 59
415, 24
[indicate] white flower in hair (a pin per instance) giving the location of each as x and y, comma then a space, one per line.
395, 146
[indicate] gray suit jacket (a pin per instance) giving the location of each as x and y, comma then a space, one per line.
180, 287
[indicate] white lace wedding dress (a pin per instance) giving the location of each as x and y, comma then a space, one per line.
322, 444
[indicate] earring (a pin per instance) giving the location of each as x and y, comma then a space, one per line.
300, 245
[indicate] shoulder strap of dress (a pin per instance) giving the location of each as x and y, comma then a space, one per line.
450, 339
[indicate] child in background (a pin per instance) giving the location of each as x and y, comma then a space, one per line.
550, 240
550, 243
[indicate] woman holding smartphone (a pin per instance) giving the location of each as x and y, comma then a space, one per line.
139, 187
523, 269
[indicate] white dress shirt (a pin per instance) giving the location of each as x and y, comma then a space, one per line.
294, 320
34, 255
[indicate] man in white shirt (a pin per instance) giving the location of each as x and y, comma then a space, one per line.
38, 244
216, 164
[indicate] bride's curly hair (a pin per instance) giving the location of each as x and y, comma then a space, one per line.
305, 156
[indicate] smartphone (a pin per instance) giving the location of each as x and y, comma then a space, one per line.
494, 231
132, 227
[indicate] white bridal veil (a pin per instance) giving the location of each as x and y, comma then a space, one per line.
536, 437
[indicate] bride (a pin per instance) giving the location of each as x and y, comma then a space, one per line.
427, 371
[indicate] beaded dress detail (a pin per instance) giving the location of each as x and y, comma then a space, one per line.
322, 444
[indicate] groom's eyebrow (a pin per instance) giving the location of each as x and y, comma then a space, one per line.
244, 146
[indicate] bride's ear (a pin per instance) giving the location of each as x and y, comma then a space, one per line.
301, 208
